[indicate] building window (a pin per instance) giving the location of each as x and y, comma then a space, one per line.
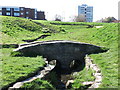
21, 13
8, 9
35, 13
16, 9
16, 14
21, 9
82, 7
8, 13
27, 12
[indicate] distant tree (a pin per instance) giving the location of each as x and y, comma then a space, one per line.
58, 17
110, 19
79, 18
107, 20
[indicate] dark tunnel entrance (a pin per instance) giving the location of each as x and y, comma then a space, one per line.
75, 66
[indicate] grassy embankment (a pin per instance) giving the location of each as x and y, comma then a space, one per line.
14, 69
106, 36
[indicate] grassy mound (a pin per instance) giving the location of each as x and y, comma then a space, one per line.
14, 25
15, 29
106, 36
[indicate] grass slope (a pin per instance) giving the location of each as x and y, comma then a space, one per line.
15, 29
106, 36
18, 68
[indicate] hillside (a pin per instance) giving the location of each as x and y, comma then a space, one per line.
106, 36
15, 30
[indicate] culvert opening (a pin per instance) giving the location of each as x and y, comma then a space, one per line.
77, 65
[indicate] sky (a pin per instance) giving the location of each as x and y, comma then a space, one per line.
68, 8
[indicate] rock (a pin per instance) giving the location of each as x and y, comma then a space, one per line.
75, 73
95, 68
17, 85
97, 74
98, 79
11, 88
95, 85
69, 82
98, 71
88, 83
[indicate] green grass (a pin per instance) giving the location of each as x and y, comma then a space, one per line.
50, 27
15, 29
106, 36
18, 68
83, 76
37, 85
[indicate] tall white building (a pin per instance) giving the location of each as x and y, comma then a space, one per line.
87, 11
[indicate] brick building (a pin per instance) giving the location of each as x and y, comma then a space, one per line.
29, 13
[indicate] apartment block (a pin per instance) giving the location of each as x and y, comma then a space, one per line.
29, 13
87, 11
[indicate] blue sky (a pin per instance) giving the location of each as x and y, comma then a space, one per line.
68, 8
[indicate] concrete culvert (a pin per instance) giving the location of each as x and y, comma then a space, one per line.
62, 51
